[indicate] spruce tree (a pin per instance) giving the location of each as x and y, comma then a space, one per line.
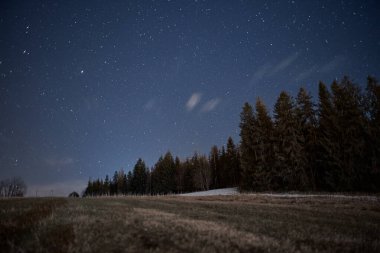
214, 166
247, 152
290, 161
350, 123
263, 145
307, 121
232, 164
327, 146
373, 126
139, 178
164, 175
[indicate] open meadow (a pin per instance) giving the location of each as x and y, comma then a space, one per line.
239, 223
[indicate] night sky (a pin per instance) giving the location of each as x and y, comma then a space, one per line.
88, 87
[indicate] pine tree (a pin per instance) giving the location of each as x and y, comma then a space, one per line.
114, 185
223, 169
215, 170
263, 145
189, 172
139, 178
307, 121
373, 126
120, 182
350, 135
232, 164
180, 173
130, 187
107, 186
289, 153
327, 158
164, 175
248, 156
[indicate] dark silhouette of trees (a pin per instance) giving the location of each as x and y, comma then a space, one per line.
139, 178
13, 187
248, 154
164, 175
74, 195
332, 145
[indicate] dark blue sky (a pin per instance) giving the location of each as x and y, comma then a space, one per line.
88, 87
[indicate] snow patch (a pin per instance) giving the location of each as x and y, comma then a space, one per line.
216, 192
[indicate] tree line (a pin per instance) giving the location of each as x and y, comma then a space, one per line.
331, 145
171, 175
13, 187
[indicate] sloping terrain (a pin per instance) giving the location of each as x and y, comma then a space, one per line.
233, 223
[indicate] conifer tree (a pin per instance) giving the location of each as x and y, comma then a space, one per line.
327, 158
215, 170
307, 121
139, 178
263, 145
164, 174
373, 148
247, 153
232, 164
189, 173
107, 186
290, 161
350, 135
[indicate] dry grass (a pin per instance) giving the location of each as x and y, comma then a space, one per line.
241, 223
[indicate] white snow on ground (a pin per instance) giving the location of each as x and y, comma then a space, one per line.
297, 195
234, 191
224, 191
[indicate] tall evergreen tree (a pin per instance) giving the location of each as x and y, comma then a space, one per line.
307, 121
139, 178
248, 156
179, 175
350, 135
189, 172
214, 166
263, 146
290, 160
164, 174
327, 147
107, 185
373, 148
232, 164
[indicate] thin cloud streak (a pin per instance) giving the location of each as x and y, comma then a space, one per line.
210, 105
269, 70
332, 65
284, 64
193, 101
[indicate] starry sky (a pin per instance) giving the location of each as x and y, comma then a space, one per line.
88, 87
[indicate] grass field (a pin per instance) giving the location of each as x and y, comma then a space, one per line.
241, 223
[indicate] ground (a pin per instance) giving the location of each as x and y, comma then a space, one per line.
235, 223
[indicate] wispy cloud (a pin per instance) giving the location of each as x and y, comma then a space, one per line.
260, 72
193, 101
210, 105
305, 74
328, 67
269, 70
285, 63
332, 65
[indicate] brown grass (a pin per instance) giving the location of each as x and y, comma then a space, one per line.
241, 223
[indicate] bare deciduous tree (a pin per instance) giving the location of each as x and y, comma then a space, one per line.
14, 187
